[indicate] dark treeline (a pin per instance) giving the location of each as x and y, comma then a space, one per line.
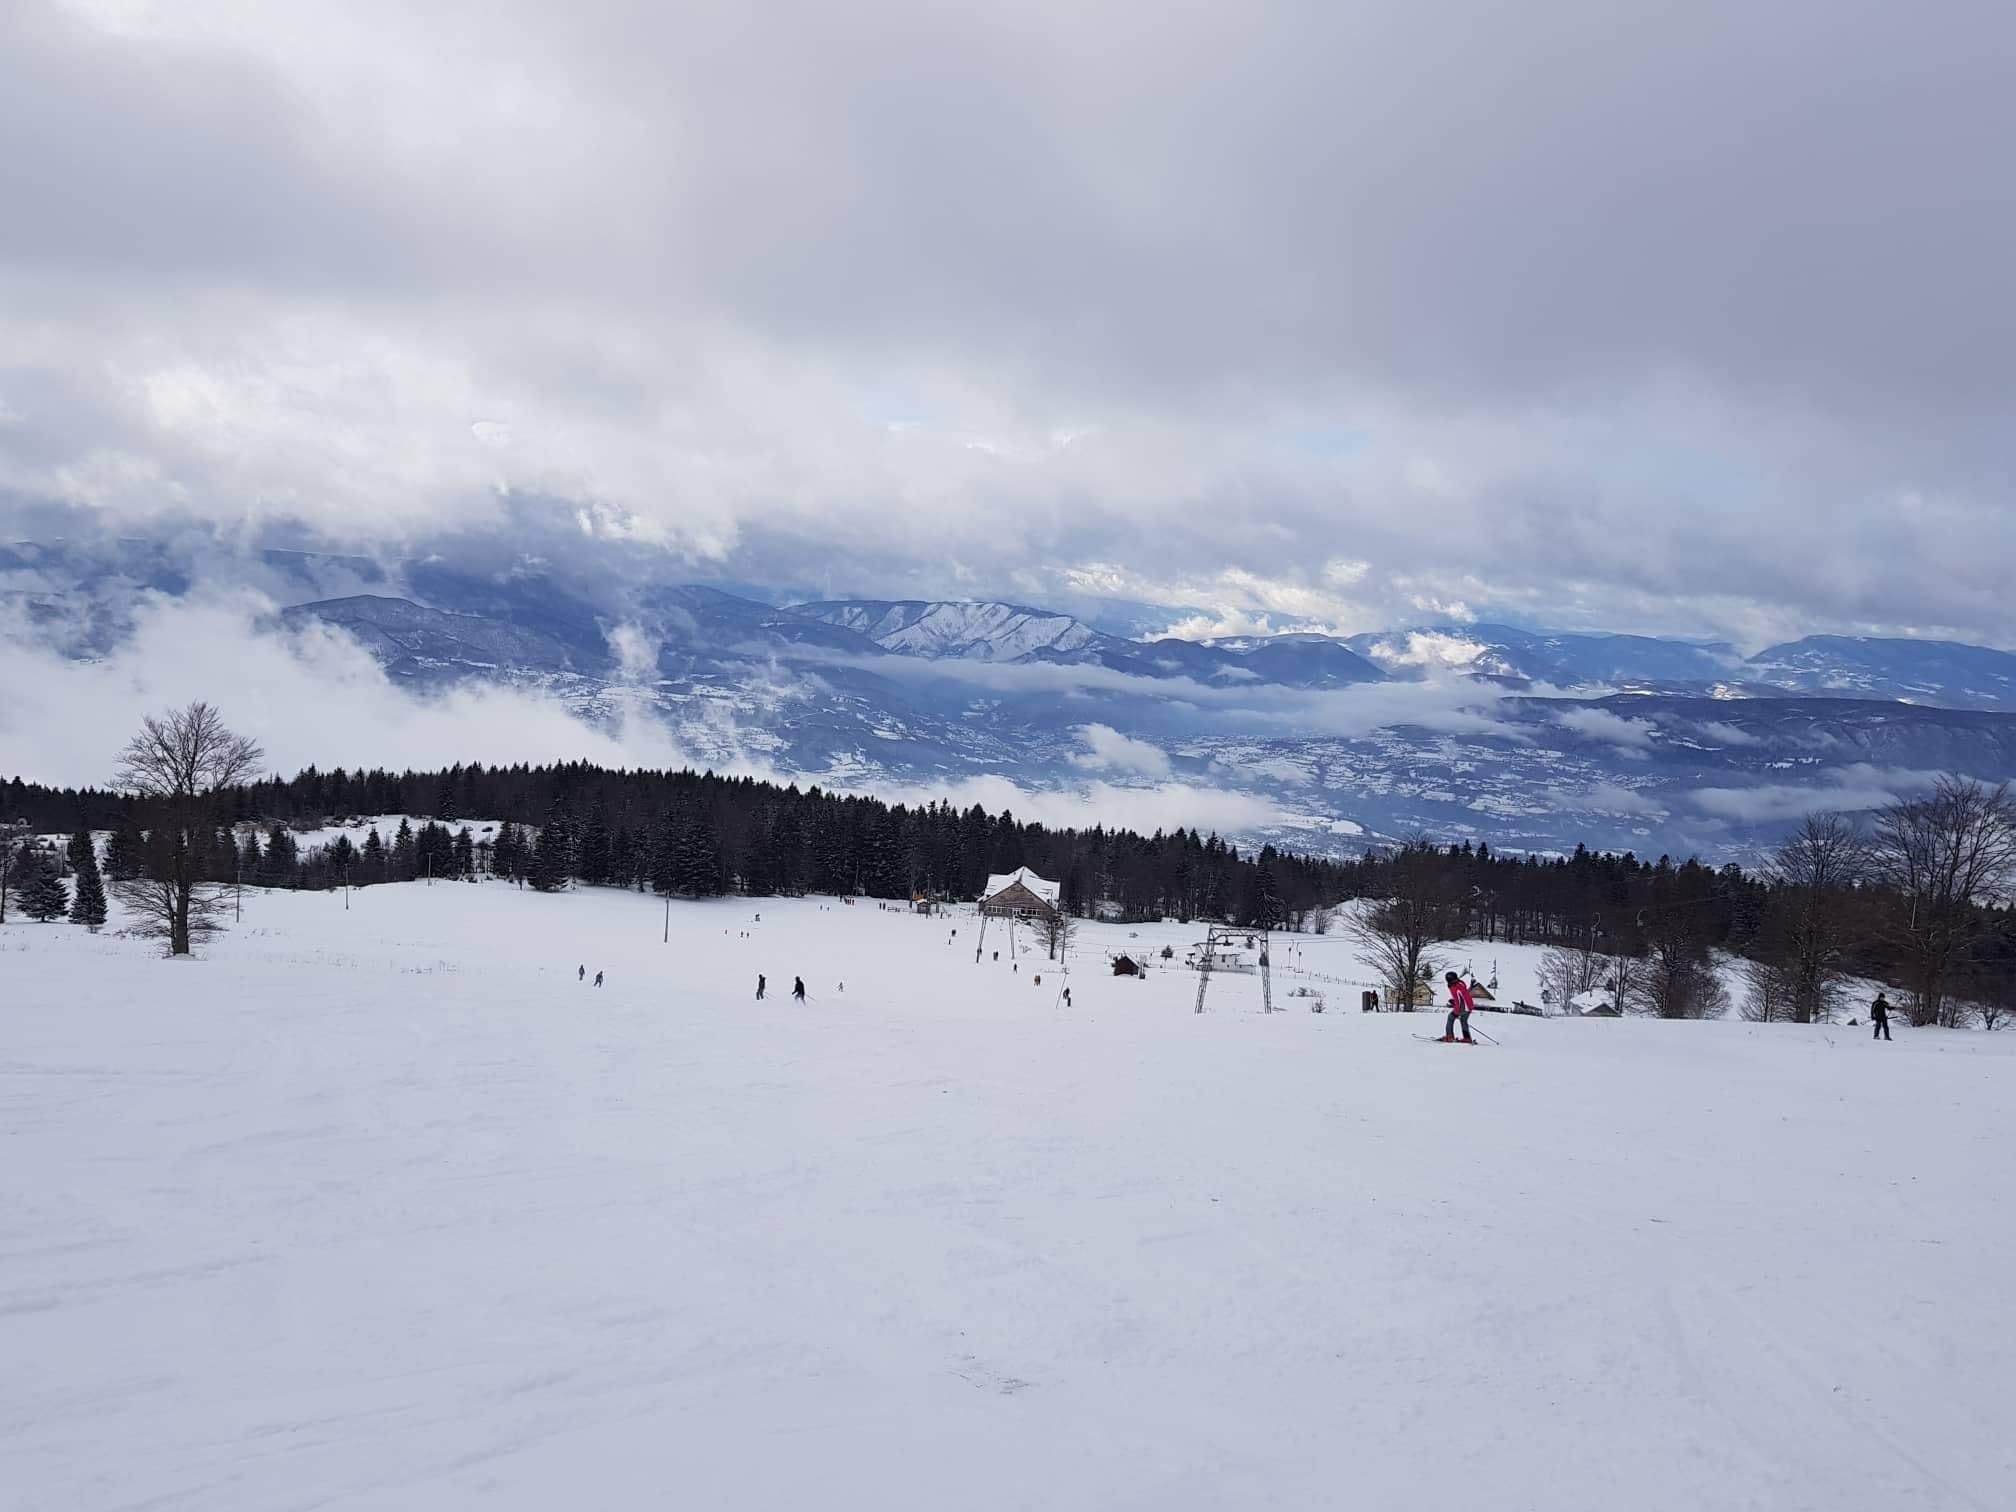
1805, 922
698, 835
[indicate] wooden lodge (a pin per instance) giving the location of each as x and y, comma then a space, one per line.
1020, 894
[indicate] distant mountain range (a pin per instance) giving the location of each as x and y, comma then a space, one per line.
1539, 657
1518, 737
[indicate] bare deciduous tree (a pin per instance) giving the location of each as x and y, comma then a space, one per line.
1569, 970
11, 835
1802, 948
1997, 1004
1395, 936
1681, 981
179, 761
1625, 977
1770, 995
1057, 927
1946, 857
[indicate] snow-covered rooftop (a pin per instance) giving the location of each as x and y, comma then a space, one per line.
999, 883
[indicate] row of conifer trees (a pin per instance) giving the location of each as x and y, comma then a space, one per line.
35, 880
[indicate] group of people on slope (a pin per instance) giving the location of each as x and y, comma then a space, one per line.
762, 983
1461, 1004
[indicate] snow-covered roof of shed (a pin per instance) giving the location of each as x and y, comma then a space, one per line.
1047, 891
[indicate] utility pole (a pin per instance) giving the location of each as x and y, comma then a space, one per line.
668, 918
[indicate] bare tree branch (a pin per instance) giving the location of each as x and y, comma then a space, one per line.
1801, 960
1412, 913
1947, 857
181, 760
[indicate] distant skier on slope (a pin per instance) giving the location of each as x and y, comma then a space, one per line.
1879, 1018
762, 985
1460, 1004
798, 988
580, 973
598, 979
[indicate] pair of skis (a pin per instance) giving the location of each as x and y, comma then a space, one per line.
1436, 1039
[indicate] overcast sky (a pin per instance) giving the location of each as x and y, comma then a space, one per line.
1688, 317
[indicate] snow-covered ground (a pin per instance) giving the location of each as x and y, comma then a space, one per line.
383, 1209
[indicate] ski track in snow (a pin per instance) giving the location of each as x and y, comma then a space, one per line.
383, 1209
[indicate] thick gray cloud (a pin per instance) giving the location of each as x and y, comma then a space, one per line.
1668, 317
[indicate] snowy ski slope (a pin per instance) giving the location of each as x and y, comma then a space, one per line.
383, 1209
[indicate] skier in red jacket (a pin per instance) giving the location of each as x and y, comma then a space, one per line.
1460, 1004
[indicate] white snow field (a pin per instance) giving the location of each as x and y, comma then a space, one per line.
383, 1209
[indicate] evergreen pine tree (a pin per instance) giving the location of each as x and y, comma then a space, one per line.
122, 852
759, 874
832, 854
464, 853
373, 863
432, 851
1074, 900
663, 862
223, 865
282, 855
785, 854
593, 854
405, 860
699, 857
43, 896
623, 858
79, 848
251, 864
553, 856
88, 906
894, 873
504, 851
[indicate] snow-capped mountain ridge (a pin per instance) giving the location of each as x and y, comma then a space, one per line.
978, 630
1951, 673
992, 631
1640, 743
1557, 659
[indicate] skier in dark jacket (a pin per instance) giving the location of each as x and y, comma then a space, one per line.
598, 979
1460, 1004
798, 988
762, 982
1879, 1016
580, 973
